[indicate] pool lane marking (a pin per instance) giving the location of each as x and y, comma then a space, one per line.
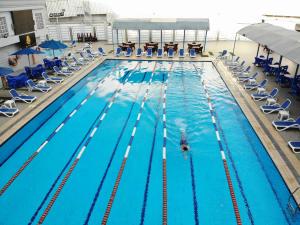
145, 199
120, 173
62, 184
164, 155
50, 116
227, 173
48, 139
66, 166
91, 209
240, 185
192, 170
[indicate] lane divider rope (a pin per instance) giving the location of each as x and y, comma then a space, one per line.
57, 129
227, 173
164, 155
120, 173
93, 130
91, 209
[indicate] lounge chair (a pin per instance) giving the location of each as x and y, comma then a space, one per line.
222, 55
118, 52
73, 44
101, 51
71, 67
149, 52
21, 96
86, 56
236, 66
267, 109
159, 53
181, 53
232, 62
287, 124
265, 95
56, 80
295, 146
79, 62
192, 53
262, 84
7, 111
139, 52
241, 71
245, 78
37, 87
61, 72
170, 52
94, 54
128, 52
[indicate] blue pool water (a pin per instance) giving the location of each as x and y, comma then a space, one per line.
108, 152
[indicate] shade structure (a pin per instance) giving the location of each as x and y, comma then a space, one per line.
53, 44
280, 40
5, 71
161, 24
27, 51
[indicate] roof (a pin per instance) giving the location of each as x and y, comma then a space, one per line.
280, 40
162, 24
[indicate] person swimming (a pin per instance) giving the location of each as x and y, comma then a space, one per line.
183, 142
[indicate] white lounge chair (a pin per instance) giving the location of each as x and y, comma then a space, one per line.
56, 80
61, 72
37, 87
21, 96
7, 111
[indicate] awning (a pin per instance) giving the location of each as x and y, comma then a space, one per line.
162, 24
280, 40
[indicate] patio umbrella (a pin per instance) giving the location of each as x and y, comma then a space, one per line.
52, 44
4, 71
27, 51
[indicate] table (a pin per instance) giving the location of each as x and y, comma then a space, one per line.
283, 115
261, 90
271, 101
252, 81
10, 104
43, 83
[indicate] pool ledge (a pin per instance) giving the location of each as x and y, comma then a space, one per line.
9, 128
286, 161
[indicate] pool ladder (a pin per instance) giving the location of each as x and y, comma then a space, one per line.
291, 206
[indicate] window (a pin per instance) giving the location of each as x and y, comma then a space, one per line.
3, 28
39, 21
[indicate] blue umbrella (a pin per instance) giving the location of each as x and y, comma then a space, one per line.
52, 44
5, 70
27, 51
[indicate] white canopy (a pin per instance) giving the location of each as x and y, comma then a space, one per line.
280, 40
162, 24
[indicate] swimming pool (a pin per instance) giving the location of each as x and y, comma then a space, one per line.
108, 152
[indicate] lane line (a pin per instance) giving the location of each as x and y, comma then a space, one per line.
120, 173
86, 143
193, 183
50, 116
227, 173
164, 155
48, 139
145, 200
99, 188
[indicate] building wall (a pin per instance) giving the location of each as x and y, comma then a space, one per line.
10, 44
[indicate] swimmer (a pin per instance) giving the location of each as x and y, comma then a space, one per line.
183, 142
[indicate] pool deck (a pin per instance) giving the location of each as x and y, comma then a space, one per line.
275, 142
